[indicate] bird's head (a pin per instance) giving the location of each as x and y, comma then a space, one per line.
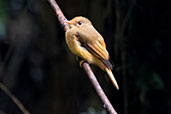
78, 21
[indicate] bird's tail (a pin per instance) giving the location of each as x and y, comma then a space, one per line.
112, 78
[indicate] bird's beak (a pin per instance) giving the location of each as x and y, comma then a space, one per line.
68, 22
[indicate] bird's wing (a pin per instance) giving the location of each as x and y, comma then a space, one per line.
100, 53
95, 44
97, 49
93, 41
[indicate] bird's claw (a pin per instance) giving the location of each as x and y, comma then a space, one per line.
81, 62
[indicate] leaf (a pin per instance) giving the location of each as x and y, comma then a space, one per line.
157, 81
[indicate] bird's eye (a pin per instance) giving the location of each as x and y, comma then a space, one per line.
79, 23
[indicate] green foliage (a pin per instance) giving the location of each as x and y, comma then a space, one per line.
156, 81
3, 16
146, 80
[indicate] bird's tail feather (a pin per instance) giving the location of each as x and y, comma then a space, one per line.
112, 78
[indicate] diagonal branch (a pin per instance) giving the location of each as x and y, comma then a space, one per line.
59, 13
13, 98
98, 88
85, 65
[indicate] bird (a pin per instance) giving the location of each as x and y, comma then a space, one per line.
87, 43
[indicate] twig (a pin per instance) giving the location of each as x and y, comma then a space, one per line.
121, 23
85, 65
2, 112
119, 47
13, 98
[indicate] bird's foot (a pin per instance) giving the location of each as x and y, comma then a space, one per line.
81, 62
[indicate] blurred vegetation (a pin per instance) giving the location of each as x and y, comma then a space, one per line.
38, 68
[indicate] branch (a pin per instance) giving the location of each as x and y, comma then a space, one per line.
85, 65
13, 98
59, 13
98, 88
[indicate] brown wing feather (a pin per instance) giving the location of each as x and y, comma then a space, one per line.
94, 43
106, 62
89, 36
99, 49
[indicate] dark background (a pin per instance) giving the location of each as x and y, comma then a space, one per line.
38, 68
